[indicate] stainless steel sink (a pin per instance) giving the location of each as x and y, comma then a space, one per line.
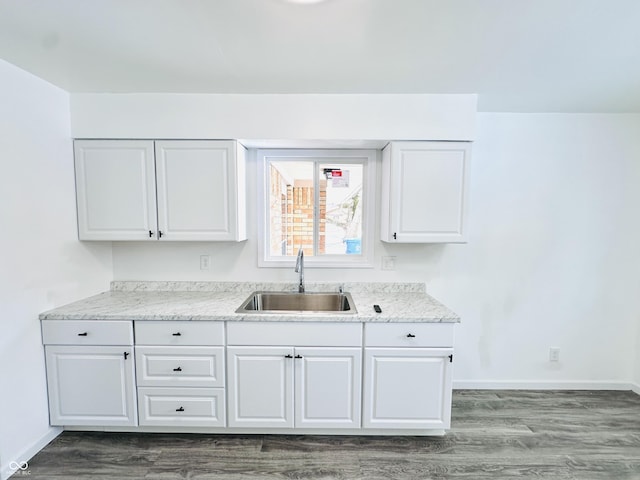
279, 302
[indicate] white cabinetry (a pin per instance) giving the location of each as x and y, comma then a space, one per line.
180, 373
327, 387
258, 377
425, 192
408, 387
287, 377
260, 386
166, 190
90, 373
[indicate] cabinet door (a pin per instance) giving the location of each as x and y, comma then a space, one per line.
424, 195
115, 187
91, 385
407, 388
327, 387
200, 190
260, 386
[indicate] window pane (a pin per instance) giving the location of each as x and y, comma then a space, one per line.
340, 222
291, 205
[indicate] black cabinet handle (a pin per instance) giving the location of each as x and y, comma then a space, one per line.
177, 334
159, 233
126, 354
395, 236
298, 356
410, 335
150, 234
181, 409
179, 369
83, 334
288, 356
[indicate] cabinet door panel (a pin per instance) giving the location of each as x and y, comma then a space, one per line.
184, 366
327, 387
197, 185
179, 333
260, 386
180, 407
426, 197
91, 385
407, 388
116, 192
87, 332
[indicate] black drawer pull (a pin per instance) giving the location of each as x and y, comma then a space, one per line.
177, 334
83, 334
410, 335
179, 369
181, 409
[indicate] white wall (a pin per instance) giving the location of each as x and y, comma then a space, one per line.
42, 263
273, 116
636, 377
552, 258
551, 261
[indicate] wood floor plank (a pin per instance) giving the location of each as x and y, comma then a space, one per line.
564, 435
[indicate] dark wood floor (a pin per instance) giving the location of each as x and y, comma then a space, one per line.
578, 435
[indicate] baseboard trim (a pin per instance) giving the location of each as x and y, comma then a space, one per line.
6, 471
542, 385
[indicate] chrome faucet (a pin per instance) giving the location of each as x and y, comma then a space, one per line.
300, 269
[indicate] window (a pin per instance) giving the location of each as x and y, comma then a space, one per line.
318, 200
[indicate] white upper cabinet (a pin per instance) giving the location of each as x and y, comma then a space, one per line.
163, 190
200, 190
116, 189
425, 192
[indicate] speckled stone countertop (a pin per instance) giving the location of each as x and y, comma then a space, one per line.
400, 302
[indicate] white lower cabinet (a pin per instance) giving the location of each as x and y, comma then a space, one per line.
407, 375
407, 388
250, 376
294, 387
180, 374
294, 375
260, 386
199, 407
162, 366
91, 385
327, 387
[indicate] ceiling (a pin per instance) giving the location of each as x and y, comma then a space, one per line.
517, 55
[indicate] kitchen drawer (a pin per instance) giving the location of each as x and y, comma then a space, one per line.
301, 334
179, 333
193, 407
180, 366
87, 332
408, 334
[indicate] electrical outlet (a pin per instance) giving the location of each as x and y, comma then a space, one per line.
205, 262
554, 354
388, 263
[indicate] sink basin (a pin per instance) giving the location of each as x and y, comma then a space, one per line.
279, 302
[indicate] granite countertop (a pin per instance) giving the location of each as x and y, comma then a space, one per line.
400, 302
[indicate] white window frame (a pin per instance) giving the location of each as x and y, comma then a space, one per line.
366, 158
